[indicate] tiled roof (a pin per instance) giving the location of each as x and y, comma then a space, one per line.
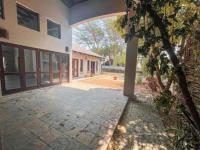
77, 48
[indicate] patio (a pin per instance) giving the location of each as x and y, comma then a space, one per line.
68, 117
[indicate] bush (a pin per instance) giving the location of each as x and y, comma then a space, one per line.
164, 101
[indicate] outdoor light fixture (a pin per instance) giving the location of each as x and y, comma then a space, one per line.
3, 33
67, 49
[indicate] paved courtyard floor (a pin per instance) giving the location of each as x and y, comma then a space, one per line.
75, 116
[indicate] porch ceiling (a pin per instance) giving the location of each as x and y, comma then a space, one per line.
71, 3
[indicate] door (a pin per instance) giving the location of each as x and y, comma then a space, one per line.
75, 68
30, 67
64, 68
10, 68
45, 68
56, 69
92, 68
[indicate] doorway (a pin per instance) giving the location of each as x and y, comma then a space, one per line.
92, 68
75, 68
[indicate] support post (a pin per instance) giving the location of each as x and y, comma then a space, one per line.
130, 70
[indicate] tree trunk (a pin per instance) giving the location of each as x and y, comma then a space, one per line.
187, 101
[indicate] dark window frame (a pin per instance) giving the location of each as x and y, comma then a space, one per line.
88, 65
59, 26
33, 12
97, 66
2, 7
22, 69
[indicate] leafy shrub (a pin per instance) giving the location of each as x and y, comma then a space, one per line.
164, 101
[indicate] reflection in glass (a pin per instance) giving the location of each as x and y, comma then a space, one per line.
11, 65
44, 61
31, 80
27, 18
65, 66
10, 59
45, 69
12, 82
54, 29
45, 78
55, 67
30, 60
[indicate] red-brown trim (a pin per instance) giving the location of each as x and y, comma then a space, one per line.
22, 72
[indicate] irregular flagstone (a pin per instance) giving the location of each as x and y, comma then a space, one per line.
76, 116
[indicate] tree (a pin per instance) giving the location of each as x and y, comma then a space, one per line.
164, 25
101, 37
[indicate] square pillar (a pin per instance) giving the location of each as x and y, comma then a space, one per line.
130, 70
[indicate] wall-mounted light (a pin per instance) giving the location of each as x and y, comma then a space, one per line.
4, 33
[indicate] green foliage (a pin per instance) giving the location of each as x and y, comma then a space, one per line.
103, 37
163, 27
164, 101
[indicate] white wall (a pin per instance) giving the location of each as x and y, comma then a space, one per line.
47, 9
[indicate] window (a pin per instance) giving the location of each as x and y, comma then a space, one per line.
11, 67
30, 67
55, 67
81, 67
27, 18
54, 29
64, 67
88, 65
45, 67
1, 9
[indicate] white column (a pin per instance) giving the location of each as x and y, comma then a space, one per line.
130, 70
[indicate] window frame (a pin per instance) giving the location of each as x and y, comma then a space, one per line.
60, 28
22, 72
81, 65
30, 10
3, 13
88, 65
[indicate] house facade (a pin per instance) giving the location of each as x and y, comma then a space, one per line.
85, 63
35, 43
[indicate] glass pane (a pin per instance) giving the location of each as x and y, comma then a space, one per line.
1, 9
55, 62
56, 77
64, 76
27, 18
12, 82
44, 61
45, 78
10, 59
30, 60
64, 63
31, 80
53, 29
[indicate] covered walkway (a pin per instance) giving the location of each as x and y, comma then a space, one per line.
76, 116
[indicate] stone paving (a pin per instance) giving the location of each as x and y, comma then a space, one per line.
140, 127
76, 116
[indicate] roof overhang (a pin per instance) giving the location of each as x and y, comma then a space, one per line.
86, 10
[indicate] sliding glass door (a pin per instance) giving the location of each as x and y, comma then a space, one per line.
23, 68
56, 67
11, 67
44, 67
30, 62
64, 68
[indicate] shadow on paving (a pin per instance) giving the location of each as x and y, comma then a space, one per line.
60, 118
140, 128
